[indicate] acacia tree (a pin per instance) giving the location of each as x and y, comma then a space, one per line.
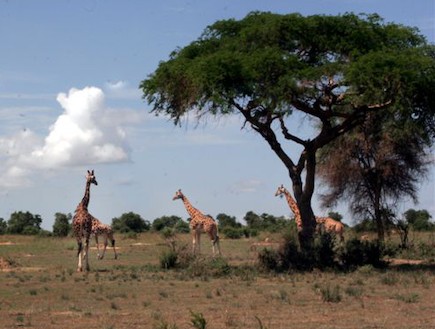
268, 67
374, 167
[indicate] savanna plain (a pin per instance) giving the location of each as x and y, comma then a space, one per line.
40, 288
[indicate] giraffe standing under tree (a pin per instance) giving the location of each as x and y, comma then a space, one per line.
82, 224
328, 223
100, 229
200, 223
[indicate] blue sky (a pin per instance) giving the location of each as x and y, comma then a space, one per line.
69, 101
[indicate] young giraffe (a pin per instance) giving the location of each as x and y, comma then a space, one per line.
82, 223
98, 229
200, 223
328, 223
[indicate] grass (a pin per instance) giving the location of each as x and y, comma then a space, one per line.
40, 288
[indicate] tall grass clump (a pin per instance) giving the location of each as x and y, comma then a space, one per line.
198, 321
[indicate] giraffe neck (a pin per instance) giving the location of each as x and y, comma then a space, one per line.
193, 212
87, 196
294, 207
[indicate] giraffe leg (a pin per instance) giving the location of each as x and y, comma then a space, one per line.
113, 245
105, 246
216, 243
79, 255
194, 241
98, 246
86, 257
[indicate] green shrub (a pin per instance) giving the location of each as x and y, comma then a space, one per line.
233, 232
168, 259
358, 253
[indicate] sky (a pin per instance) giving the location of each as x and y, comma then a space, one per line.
69, 102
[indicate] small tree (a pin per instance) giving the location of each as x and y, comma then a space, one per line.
130, 222
61, 226
225, 220
24, 223
160, 223
376, 166
419, 219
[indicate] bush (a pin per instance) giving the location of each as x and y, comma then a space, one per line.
168, 259
233, 232
358, 253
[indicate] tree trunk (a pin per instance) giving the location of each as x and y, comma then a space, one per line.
303, 198
378, 217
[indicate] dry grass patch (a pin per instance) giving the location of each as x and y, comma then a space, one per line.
134, 292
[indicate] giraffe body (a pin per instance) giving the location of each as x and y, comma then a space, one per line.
82, 224
100, 229
329, 224
200, 223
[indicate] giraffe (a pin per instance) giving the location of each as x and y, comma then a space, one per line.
98, 229
292, 204
330, 225
199, 223
82, 223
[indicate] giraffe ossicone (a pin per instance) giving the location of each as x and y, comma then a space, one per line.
200, 223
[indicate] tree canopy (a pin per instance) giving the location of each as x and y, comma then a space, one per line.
266, 67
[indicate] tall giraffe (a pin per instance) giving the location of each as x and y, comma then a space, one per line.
98, 229
82, 223
330, 224
292, 204
200, 223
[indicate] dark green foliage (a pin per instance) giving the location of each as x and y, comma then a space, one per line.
3, 226
358, 253
164, 221
324, 250
24, 223
325, 255
130, 222
419, 220
365, 225
233, 232
227, 221
61, 226
266, 222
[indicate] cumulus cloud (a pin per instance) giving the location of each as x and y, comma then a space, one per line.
81, 135
86, 132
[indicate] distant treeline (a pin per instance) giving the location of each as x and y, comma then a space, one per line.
27, 223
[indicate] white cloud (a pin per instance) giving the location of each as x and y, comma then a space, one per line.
81, 135
122, 90
246, 186
87, 132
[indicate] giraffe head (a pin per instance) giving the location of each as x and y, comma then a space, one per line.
178, 195
90, 177
280, 191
